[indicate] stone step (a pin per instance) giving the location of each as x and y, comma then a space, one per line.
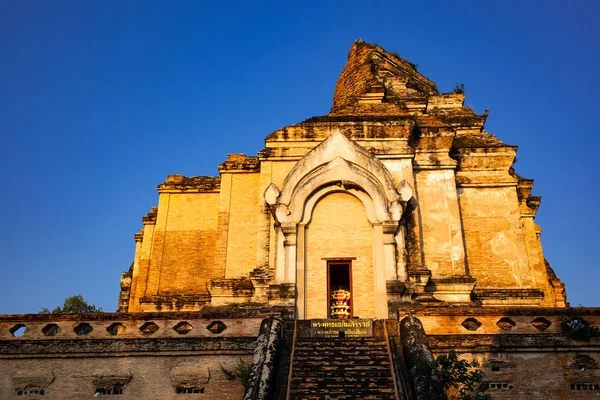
341, 358
336, 342
342, 368
337, 394
341, 343
340, 355
359, 394
360, 346
340, 362
354, 386
325, 368
368, 396
371, 382
342, 390
344, 350
344, 394
305, 377
378, 354
366, 371
354, 369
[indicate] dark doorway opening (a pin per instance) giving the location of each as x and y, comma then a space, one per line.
339, 277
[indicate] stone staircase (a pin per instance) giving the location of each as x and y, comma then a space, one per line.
341, 368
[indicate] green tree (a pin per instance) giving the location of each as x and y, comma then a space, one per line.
459, 88
72, 305
462, 380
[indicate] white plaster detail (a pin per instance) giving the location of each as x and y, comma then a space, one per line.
396, 211
405, 191
338, 145
318, 195
339, 165
282, 213
271, 194
342, 174
279, 257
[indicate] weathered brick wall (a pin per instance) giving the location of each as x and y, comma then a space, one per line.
537, 264
189, 240
280, 170
523, 352
141, 267
185, 350
243, 225
368, 66
440, 222
495, 242
339, 228
264, 230
183, 244
223, 223
536, 373
148, 376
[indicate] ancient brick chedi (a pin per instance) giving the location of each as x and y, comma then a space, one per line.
397, 210
401, 183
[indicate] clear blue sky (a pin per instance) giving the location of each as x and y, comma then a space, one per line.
101, 100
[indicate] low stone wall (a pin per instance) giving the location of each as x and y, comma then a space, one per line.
136, 356
128, 326
524, 353
497, 320
151, 376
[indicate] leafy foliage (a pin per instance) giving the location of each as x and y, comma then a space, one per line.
412, 64
459, 88
241, 372
576, 327
461, 380
72, 305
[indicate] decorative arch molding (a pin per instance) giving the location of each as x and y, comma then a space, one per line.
327, 190
339, 165
338, 146
345, 174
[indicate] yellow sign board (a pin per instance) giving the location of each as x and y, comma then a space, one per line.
341, 327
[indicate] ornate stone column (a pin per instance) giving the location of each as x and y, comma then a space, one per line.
289, 232
301, 271
389, 250
289, 244
280, 262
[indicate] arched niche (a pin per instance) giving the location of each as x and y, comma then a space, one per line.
338, 165
317, 195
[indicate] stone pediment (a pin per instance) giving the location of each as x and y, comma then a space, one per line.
338, 146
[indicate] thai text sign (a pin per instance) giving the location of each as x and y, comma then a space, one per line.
334, 327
